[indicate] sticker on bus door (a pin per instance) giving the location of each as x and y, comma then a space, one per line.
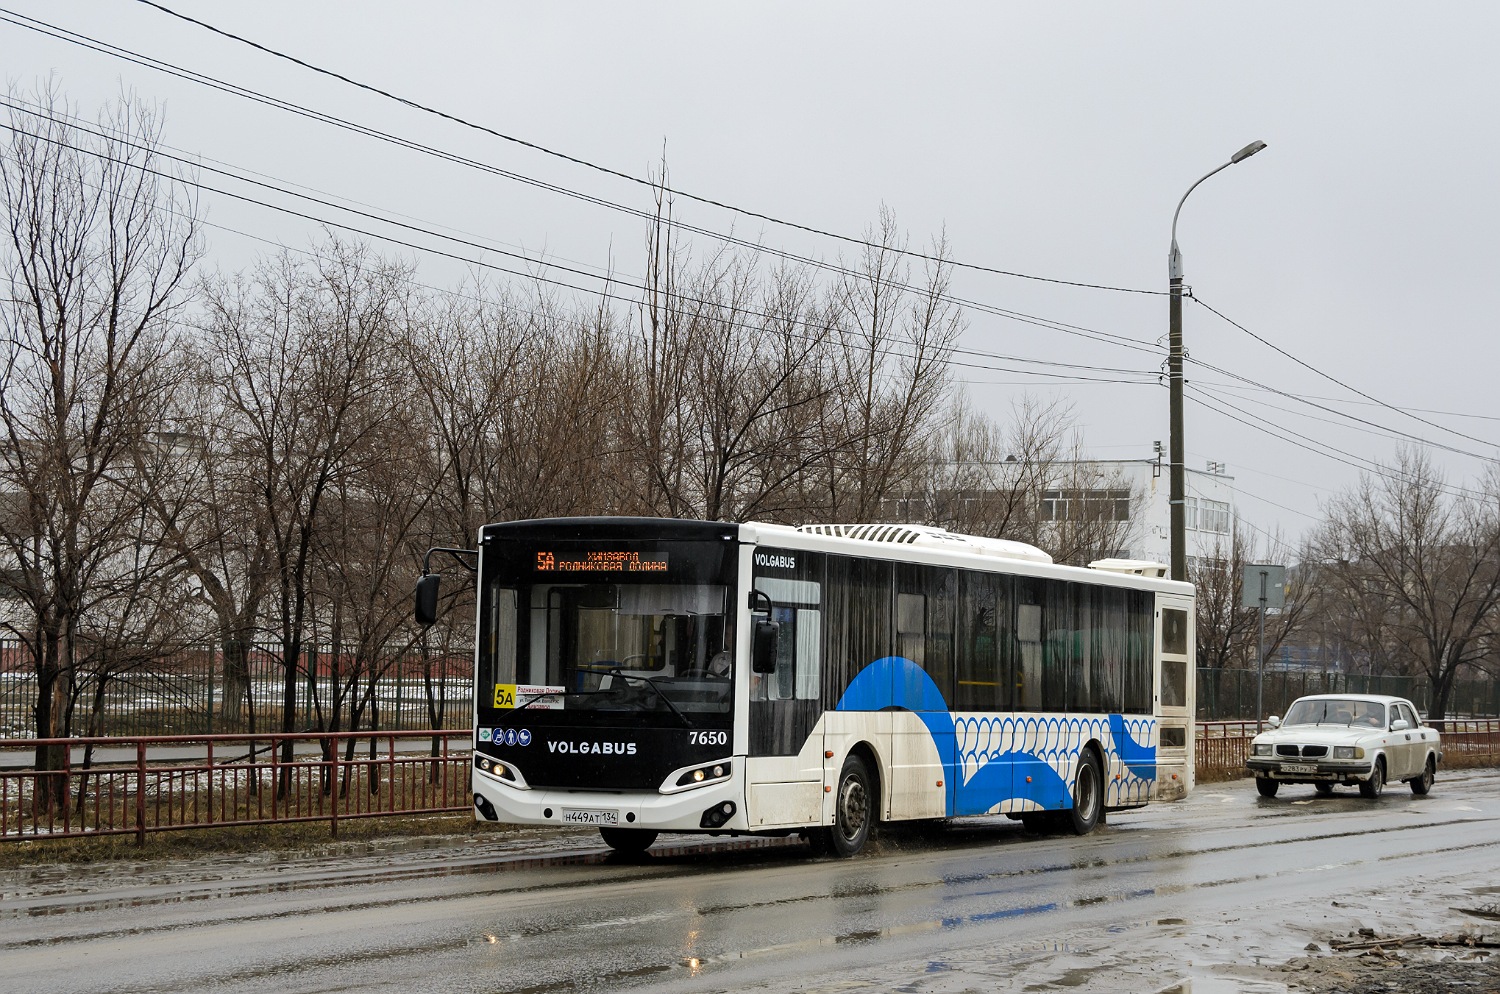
512, 695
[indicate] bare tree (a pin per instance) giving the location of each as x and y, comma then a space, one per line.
98, 244
895, 341
729, 378
298, 359
1437, 556
1228, 634
1023, 481
212, 518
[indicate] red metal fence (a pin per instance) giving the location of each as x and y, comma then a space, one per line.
132, 786
137, 785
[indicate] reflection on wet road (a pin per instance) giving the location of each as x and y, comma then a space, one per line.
1152, 898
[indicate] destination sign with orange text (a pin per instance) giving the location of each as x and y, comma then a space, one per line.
601, 561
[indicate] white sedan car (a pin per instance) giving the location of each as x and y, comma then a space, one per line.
1329, 740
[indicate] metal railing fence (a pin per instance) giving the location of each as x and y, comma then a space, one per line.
143, 784
137, 785
192, 692
1230, 694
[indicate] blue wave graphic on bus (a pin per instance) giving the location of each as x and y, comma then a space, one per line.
895, 682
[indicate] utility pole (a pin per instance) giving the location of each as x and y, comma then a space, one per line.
1178, 447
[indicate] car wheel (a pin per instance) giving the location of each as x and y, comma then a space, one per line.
1323, 789
628, 840
1373, 786
1088, 795
854, 809
1422, 784
1267, 786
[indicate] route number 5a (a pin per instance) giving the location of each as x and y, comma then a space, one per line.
505, 695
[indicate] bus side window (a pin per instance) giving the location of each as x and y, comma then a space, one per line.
784, 680
1029, 677
797, 674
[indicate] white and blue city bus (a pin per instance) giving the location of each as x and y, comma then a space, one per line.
649, 675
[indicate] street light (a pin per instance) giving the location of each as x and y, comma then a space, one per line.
1174, 376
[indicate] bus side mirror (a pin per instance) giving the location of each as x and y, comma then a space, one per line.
426, 599
764, 645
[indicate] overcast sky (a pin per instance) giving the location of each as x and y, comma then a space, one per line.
1046, 139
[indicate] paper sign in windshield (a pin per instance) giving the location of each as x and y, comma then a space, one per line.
520, 695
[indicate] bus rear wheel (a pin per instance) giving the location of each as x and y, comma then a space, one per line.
1088, 795
853, 809
627, 840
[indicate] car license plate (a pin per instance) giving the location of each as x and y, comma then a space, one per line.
1298, 768
591, 816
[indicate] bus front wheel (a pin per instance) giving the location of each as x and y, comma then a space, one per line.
628, 840
854, 809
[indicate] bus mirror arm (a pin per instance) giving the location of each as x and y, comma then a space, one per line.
427, 585
763, 651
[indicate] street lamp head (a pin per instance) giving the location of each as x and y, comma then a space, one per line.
1246, 152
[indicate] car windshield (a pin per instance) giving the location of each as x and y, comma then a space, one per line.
1336, 711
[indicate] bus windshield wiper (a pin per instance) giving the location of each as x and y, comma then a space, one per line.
616, 671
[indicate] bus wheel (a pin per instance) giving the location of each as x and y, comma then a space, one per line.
817, 841
627, 840
1088, 795
853, 809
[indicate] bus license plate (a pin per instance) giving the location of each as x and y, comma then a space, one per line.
591, 816
1298, 768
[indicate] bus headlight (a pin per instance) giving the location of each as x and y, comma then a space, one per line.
496, 768
700, 776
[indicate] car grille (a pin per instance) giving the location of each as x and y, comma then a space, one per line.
1311, 752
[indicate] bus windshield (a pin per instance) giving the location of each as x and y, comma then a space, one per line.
657, 651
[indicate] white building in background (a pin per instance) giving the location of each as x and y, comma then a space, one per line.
1210, 506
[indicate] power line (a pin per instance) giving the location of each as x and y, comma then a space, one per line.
849, 239
1350, 417
1335, 380
115, 51
1365, 427
1363, 403
886, 352
1323, 449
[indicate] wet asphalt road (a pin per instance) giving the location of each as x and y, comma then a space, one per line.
1197, 893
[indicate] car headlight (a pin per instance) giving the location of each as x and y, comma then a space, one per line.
1260, 748
1348, 752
